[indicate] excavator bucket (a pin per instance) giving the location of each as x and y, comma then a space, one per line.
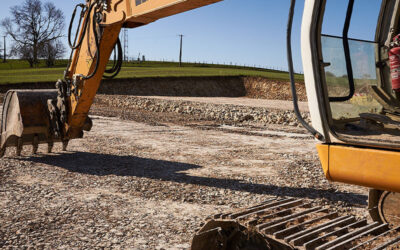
26, 119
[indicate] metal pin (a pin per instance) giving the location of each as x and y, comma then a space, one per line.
19, 146
50, 147
35, 144
65, 145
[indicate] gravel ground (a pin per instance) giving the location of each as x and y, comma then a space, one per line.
151, 171
218, 111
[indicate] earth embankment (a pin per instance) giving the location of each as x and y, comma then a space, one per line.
224, 86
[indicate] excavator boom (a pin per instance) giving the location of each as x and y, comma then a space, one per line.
355, 115
33, 117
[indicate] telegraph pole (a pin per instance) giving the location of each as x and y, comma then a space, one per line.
5, 50
126, 45
180, 52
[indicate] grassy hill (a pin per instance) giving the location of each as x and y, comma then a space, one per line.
16, 71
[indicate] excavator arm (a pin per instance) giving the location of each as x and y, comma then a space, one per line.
59, 115
32, 117
90, 58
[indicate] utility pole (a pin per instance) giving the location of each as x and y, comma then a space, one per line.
126, 45
180, 52
5, 50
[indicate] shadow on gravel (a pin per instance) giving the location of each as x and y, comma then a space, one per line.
104, 164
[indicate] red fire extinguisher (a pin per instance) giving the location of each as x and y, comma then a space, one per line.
394, 59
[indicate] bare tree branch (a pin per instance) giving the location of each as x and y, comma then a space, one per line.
33, 26
52, 51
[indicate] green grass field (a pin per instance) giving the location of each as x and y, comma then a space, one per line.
16, 71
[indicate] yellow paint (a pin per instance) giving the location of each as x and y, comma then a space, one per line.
148, 11
374, 168
152, 10
117, 12
151, 6
323, 151
84, 65
83, 59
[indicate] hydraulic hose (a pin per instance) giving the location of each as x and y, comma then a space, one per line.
117, 64
307, 126
96, 41
76, 44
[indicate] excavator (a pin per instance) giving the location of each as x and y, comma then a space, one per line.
353, 90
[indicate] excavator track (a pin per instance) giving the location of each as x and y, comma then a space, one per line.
289, 223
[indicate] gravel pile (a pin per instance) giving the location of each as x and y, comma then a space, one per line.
204, 111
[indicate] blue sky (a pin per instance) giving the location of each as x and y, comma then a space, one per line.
251, 32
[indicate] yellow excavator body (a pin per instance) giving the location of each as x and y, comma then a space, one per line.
367, 167
358, 142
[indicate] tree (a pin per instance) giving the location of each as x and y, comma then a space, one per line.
33, 25
329, 74
51, 51
24, 52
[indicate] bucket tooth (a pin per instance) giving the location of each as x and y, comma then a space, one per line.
2, 152
88, 124
65, 145
50, 147
35, 144
19, 146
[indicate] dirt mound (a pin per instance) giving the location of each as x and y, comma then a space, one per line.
225, 86
263, 88
176, 86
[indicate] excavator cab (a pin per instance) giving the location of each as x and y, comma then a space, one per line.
353, 89
361, 105
354, 98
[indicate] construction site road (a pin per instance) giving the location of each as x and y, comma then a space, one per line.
145, 179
